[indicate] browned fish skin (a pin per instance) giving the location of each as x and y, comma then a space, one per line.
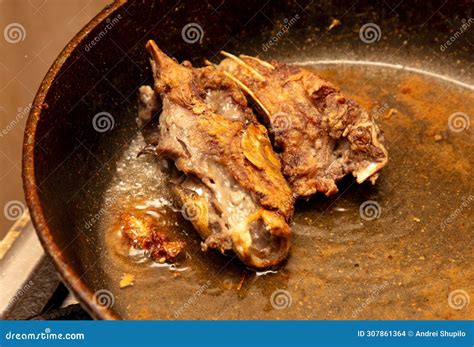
233, 191
322, 135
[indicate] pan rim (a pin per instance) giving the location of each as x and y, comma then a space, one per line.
67, 273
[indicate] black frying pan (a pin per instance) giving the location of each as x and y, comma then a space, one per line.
408, 258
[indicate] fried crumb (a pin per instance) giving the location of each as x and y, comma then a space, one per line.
241, 283
334, 23
391, 112
127, 280
438, 137
144, 234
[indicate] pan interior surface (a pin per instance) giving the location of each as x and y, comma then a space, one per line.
389, 251
396, 250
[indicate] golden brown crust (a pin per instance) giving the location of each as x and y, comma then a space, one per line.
144, 234
205, 143
322, 135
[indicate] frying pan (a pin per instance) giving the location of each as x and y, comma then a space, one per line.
408, 255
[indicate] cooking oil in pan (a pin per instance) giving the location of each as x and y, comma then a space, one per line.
389, 251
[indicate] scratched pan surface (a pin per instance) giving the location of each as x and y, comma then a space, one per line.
401, 249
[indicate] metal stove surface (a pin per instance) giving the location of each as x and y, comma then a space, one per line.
29, 285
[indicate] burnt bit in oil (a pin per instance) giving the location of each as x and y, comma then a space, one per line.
145, 234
